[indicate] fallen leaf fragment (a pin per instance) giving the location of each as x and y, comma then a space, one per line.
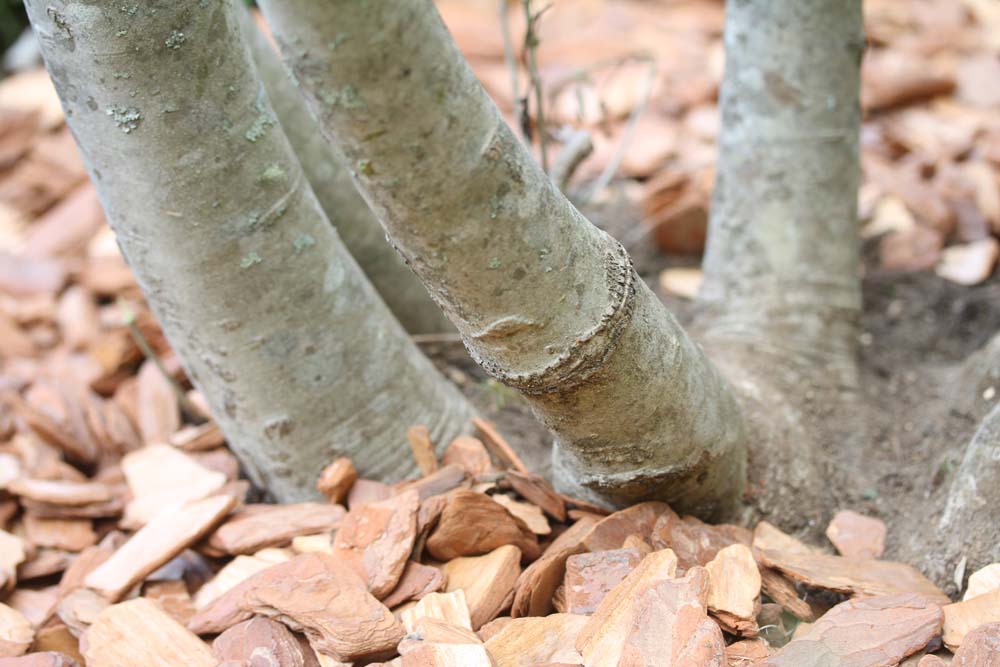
846, 575
377, 539
138, 632
590, 576
961, 618
734, 589
255, 527
537, 640
161, 539
660, 622
336, 480
472, 524
867, 632
488, 581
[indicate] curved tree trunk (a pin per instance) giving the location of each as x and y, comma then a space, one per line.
546, 302
343, 205
272, 318
782, 267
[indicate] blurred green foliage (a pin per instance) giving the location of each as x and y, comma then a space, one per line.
12, 22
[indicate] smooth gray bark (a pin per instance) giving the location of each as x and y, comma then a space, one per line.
546, 302
782, 270
970, 523
272, 318
343, 205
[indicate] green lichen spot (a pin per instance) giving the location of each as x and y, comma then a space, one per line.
126, 118
251, 259
346, 97
176, 40
131, 11
121, 33
259, 127
122, 75
170, 108
302, 242
494, 206
494, 263
273, 172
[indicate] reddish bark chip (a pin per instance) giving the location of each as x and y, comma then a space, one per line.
472, 524
537, 490
694, 541
336, 480
611, 531
500, 448
419, 438
488, 581
255, 527
590, 576
981, 647
662, 622
259, 641
417, 581
469, 454
866, 632
856, 535
377, 540
44, 659
537, 584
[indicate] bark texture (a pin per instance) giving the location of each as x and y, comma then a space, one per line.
782, 263
546, 302
970, 516
342, 203
272, 318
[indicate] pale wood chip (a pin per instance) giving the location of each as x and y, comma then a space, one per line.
232, 574
198, 438
164, 537
158, 407
58, 492
173, 598
336, 480
468, 453
961, 618
162, 478
67, 534
856, 535
530, 514
138, 632
767, 536
488, 581
537, 490
319, 542
16, 633
734, 589
419, 437
448, 607
983, 581
536, 640
255, 527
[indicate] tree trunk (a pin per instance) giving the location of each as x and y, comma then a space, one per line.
546, 302
343, 205
273, 320
782, 263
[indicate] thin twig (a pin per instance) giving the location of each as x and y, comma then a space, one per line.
190, 409
520, 103
577, 146
612, 167
530, 45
